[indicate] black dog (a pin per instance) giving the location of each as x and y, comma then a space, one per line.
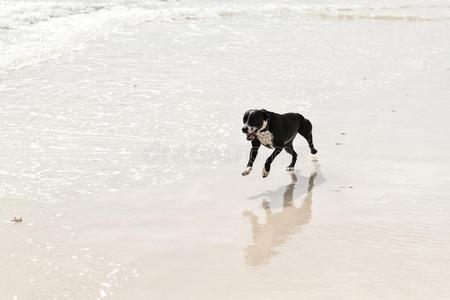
277, 132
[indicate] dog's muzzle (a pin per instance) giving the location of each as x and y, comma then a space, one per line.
250, 134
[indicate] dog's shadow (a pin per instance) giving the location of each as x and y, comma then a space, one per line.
283, 223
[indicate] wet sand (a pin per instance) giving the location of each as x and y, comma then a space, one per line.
366, 218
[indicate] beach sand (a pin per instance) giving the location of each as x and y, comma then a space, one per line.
124, 161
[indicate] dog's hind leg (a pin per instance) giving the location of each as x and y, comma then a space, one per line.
290, 149
306, 132
310, 143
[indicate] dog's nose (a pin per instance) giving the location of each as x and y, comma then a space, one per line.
245, 129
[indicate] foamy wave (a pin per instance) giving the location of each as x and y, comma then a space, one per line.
407, 13
31, 32
377, 17
19, 14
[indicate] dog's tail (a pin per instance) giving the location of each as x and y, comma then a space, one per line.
305, 130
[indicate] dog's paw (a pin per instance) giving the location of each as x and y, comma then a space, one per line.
247, 171
265, 173
289, 169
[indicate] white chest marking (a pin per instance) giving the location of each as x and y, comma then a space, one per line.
266, 138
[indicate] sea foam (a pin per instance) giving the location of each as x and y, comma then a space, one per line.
31, 32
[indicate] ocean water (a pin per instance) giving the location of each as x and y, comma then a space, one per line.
83, 113
35, 31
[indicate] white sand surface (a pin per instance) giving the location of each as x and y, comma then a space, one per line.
124, 157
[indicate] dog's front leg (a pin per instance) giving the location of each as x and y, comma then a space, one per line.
253, 153
269, 161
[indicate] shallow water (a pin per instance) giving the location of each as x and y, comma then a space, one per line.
35, 31
117, 116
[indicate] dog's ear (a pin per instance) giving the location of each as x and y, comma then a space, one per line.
247, 113
265, 114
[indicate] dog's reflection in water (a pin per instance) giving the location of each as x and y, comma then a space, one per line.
280, 225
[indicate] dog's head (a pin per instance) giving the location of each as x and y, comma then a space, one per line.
254, 120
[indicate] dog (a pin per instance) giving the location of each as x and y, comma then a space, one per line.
275, 131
